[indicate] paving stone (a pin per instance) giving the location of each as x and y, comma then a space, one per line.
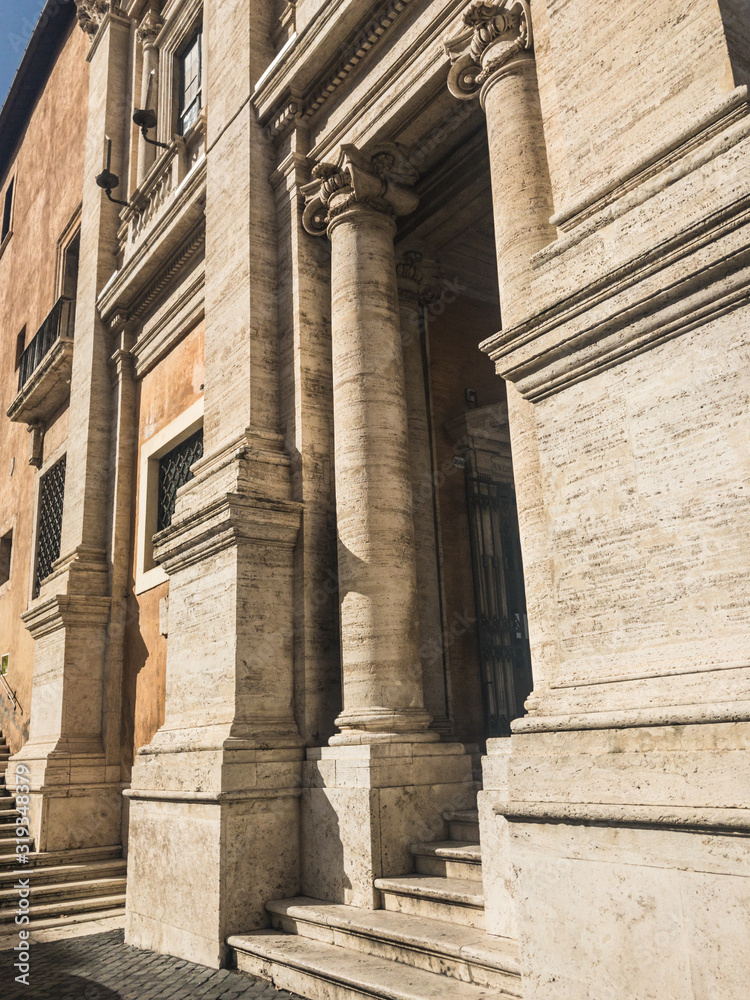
103, 967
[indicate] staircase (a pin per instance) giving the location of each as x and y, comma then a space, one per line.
428, 941
62, 884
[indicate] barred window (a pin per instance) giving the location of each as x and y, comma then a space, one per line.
52, 493
174, 472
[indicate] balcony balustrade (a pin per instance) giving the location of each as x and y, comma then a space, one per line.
45, 366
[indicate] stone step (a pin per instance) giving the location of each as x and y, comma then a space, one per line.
7, 840
65, 908
63, 892
449, 859
325, 972
44, 859
53, 874
463, 824
456, 900
463, 953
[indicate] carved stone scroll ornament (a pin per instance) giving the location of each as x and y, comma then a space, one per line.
91, 13
149, 28
380, 179
492, 35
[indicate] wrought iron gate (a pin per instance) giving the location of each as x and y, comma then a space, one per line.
505, 660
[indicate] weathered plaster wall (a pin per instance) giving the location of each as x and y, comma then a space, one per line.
49, 158
164, 393
456, 364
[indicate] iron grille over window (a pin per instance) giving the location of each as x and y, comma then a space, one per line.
50, 521
190, 84
174, 472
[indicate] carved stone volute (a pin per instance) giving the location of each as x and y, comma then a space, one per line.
380, 179
493, 34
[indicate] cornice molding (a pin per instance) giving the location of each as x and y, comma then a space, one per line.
280, 106
561, 346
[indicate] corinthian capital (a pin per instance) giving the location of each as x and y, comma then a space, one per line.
493, 33
91, 13
380, 179
149, 28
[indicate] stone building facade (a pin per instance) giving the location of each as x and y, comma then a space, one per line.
377, 518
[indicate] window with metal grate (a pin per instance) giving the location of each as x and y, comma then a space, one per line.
51, 496
174, 472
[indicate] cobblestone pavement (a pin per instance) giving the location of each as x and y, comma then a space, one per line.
103, 967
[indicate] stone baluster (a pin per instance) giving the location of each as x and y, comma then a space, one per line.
355, 202
148, 29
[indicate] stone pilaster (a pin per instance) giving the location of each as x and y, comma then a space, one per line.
417, 285
147, 31
74, 768
217, 789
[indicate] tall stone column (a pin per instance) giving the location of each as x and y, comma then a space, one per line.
75, 797
382, 677
416, 284
492, 58
384, 781
148, 29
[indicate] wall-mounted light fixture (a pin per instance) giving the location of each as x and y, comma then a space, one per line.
146, 118
106, 179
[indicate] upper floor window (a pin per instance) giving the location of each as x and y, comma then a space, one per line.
191, 88
7, 210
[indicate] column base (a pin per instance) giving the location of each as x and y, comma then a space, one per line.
213, 835
497, 869
406, 725
75, 798
363, 805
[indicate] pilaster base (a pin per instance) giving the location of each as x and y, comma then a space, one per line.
75, 799
363, 805
494, 835
631, 849
204, 858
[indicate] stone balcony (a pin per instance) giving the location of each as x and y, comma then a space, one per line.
45, 368
164, 212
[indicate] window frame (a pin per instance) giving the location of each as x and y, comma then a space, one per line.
148, 573
195, 39
183, 20
5, 234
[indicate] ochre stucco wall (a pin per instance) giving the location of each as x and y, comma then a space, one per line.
457, 364
49, 158
164, 393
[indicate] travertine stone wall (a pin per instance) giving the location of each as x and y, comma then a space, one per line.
681, 70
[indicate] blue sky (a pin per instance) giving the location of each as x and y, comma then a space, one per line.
17, 20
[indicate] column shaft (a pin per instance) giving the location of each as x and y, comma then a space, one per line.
521, 189
377, 572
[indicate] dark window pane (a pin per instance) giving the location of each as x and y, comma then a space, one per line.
190, 84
